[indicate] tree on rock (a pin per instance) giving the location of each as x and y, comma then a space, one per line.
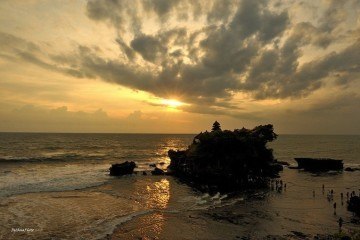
216, 126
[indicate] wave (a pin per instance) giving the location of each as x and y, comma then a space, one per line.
54, 158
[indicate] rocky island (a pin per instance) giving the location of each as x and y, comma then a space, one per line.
227, 160
319, 164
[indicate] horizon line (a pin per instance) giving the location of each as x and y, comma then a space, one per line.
159, 133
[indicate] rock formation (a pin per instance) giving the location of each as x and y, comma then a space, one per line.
158, 171
120, 169
319, 164
227, 160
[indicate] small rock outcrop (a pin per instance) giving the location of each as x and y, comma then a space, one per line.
124, 168
354, 205
227, 160
319, 164
350, 169
158, 171
284, 163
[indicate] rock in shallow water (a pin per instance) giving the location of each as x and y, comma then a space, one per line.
319, 164
350, 169
158, 171
228, 160
120, 169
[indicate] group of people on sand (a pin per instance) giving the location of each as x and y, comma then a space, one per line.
279, 186
330, 198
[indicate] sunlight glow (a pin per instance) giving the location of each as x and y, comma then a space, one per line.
172, 103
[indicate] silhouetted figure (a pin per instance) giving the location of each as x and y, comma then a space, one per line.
334, 208
272, 185
340, 221
342, 196
216, 126
285, 186
332, 192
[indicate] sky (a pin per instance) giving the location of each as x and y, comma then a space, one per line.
176, 66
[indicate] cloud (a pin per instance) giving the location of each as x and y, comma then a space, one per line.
149, 47
35, 118
207, 52
336, 104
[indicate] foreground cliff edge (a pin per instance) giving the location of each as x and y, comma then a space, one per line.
227, 160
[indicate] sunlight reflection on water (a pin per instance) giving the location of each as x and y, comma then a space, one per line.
158, 194
158, 198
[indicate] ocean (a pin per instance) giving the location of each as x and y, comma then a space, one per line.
57, 186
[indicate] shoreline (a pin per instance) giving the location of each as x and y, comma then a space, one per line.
183, 213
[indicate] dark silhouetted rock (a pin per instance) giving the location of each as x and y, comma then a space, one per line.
152, 165
349, 169
158, 171
120, 169
144, 173
161, 163
319, 164
293, 167
354, 205
227, 160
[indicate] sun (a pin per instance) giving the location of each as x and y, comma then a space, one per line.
172, 103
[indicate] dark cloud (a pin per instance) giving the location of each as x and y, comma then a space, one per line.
341, 102
11, 43
149, 47
334, 15
111, 11
244, 46
129, 52
161, 7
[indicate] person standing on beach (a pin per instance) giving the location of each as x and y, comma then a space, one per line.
342, 198
340, 221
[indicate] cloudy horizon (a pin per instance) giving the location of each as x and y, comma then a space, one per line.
176, 66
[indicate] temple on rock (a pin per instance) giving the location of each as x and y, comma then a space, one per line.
227, 160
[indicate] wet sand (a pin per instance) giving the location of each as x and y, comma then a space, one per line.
293, 213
